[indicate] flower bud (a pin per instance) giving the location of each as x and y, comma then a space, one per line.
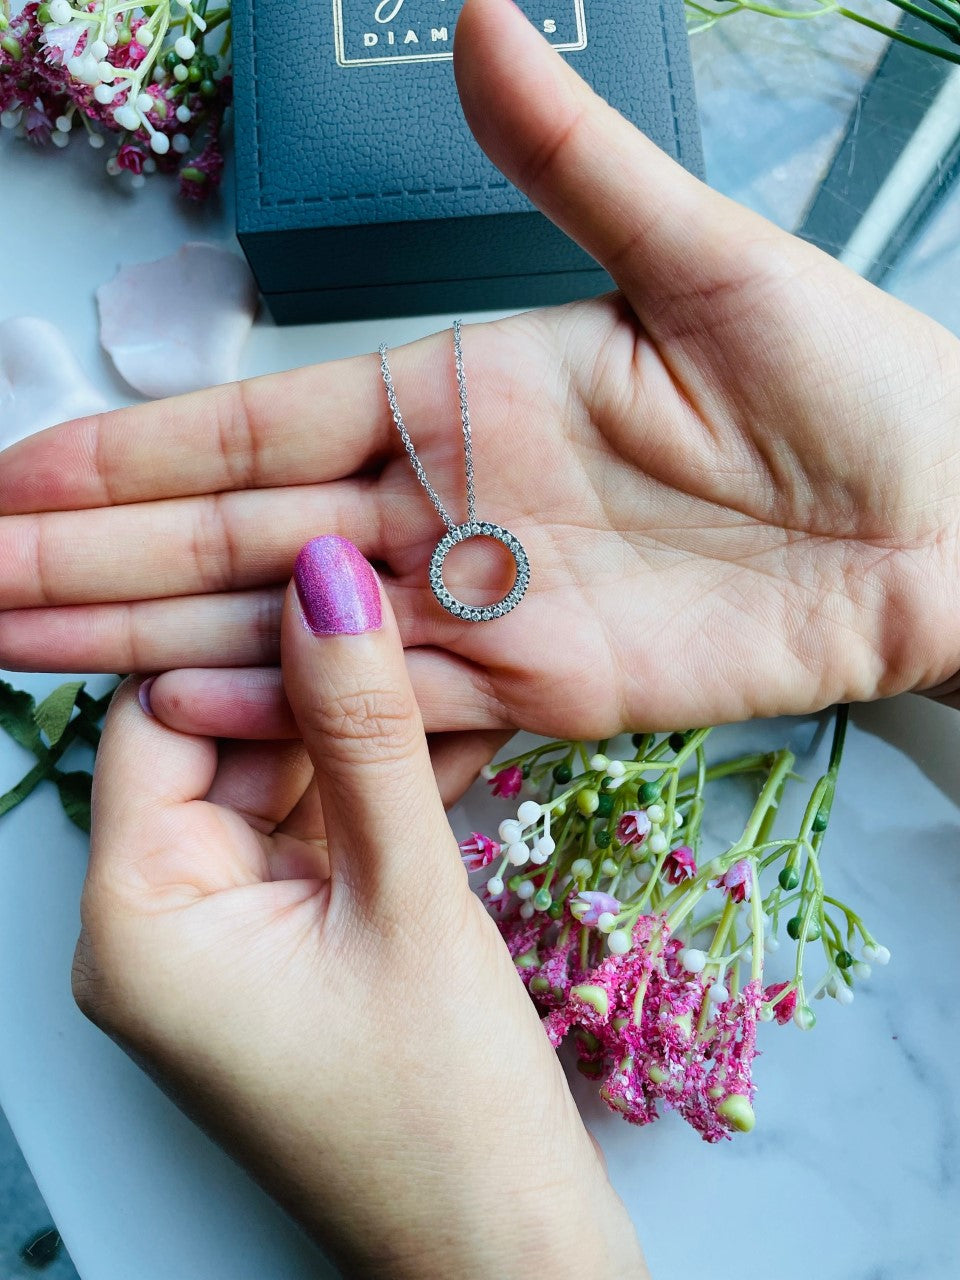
588, 801
876, 954
804, 1017
596, 997
692, 959
788, 878
737, 1112
518, 854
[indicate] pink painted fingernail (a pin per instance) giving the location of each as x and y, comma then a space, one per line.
339, 593
144, 695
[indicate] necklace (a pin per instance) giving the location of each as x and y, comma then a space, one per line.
472, 528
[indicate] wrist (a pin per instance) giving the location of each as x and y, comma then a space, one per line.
556, 1230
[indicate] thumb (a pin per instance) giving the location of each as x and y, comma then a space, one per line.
656, 229
347, 684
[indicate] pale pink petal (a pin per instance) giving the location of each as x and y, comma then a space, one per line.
179, 323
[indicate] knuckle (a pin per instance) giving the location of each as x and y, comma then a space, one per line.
89, 982
370, 724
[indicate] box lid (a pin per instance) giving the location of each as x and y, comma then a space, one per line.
371, 136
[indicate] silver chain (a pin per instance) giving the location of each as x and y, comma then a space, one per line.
408, 443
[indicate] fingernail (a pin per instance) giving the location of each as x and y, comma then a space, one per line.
144, 695
338, 591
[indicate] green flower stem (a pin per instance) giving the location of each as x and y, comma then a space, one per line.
694, 817
948, 7
756, 924
669, 809
724, 928
814, 902
936, 50
709, 17
854, 922
727, 917
526, 757
769, 795
733, 981
943, 25
694, 890
16, 795
778, 847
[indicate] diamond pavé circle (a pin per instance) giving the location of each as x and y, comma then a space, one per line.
479, 613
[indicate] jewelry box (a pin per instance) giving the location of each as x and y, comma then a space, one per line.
360, 189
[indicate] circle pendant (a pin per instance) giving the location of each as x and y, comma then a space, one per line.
474, 612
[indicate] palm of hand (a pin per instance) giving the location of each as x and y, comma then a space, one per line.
743, 492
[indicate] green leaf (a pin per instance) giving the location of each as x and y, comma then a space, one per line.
75, 791
16, 716
54, 712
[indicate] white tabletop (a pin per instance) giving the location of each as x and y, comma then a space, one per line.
851, 1171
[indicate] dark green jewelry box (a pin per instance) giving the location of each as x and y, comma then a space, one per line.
360, 190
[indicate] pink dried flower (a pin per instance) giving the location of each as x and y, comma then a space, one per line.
131, 158
38, 121
634, 1020
785, 1007
591, 904
738, 881
507, 782
478, 851
680, 864
201, 177
633, 827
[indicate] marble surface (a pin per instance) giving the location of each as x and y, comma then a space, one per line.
852, 1171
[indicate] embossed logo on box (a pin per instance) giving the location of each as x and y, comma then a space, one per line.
372, 31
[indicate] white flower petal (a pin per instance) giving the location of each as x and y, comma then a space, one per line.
41, 382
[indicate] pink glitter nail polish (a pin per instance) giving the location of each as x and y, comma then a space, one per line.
339, 593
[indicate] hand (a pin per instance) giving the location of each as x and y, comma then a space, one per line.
286, 938
736, 477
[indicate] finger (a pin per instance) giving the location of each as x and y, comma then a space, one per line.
237, 628
304, 426
659, 231
228, 629
187, 546
345, 677
261, 781
264, 784
459, 757
453, 695
152, 835
232, 629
